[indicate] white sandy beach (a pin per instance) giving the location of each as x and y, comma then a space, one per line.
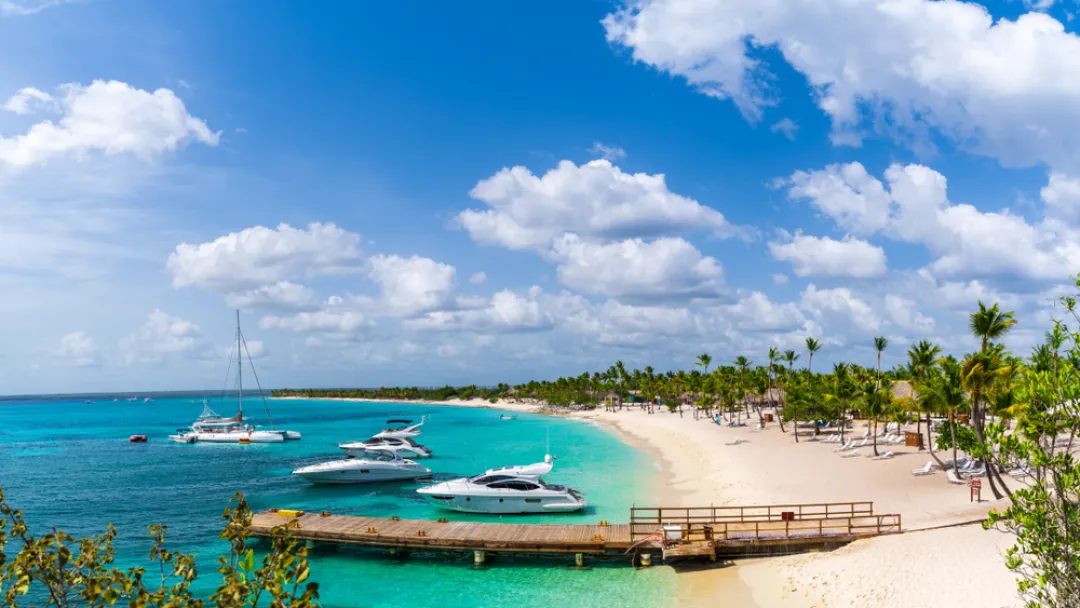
952, 566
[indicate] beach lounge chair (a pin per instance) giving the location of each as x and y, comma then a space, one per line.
883, 456
736, 441
850, 454
953, 478
926, 469
969, 465
847, 446
978, 471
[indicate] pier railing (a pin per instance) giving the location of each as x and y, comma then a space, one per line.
645, 521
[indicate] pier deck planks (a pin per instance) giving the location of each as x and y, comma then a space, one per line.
729, 537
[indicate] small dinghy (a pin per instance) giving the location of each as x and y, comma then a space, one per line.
138, 439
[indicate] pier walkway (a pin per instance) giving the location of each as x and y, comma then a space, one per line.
668, 532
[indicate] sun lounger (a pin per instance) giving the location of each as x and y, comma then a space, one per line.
847, 446
978, 471
737, 441
883, 456
926, 469
951, 475
850, 454
969, 465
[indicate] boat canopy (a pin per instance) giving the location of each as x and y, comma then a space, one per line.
399, 422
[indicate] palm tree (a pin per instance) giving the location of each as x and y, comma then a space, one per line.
981, 373
704, 361
774, 355
921, 358
990, 323
620, 371
813, 346
875, 401
843, 392
880, 343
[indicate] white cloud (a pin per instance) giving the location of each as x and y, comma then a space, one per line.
14, 8
281, 295
914, 207
1003, 88
478, 278
415, 285
79, 348
592, 200
260, 256
842, 305
256, 349
606, 152
1062, 196
664, 268
903, 314
162, 336
27, 98
331, 322
756, 312
786, 127
779, 278
823, 256
507, 311
111, 117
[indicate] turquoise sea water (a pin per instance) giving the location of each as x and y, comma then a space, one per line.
70, 465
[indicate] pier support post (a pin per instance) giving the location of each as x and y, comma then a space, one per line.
393, 551
579, 560
309, 544
646, 560
478, 558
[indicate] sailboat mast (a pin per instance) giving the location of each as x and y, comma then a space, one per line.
239, 366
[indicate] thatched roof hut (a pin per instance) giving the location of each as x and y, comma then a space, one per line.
771, 397
902, 389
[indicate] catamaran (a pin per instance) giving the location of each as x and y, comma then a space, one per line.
211, 427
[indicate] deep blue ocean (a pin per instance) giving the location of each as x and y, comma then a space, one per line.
70, 465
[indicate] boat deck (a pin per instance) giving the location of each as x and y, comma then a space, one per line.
671, 532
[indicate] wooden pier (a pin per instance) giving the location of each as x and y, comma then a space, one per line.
668, 532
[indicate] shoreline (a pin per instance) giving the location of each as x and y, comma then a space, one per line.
697, 468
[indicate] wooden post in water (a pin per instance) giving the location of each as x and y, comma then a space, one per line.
579, 560
478, 558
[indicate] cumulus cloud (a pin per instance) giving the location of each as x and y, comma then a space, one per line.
664, 268
1062, 197
592, 200
1004, 88
779, 278
109, 117
412, 286
754, 311
842, 304
823, 256
26, 99
507, 311
478, 278
162, 336
259, 256
339, 323
282, 296
912, 206
78, 348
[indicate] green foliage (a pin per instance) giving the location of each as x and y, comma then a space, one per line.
68, 572
965, 437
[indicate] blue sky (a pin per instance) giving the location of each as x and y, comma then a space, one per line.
486, 191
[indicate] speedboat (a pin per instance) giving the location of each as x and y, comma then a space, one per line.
405, 447
374, 466
507, 490
147, 400
400, 432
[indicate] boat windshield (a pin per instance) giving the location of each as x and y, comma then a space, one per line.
486, 479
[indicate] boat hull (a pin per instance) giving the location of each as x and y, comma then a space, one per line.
360, 474
232, 437
504, 505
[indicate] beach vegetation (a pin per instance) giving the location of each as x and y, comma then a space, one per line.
56, 569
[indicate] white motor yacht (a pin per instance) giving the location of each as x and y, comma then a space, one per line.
508, 490
405, 447
374, 466
400, 432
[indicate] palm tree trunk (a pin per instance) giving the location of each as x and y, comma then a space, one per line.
875, 437
930, 443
